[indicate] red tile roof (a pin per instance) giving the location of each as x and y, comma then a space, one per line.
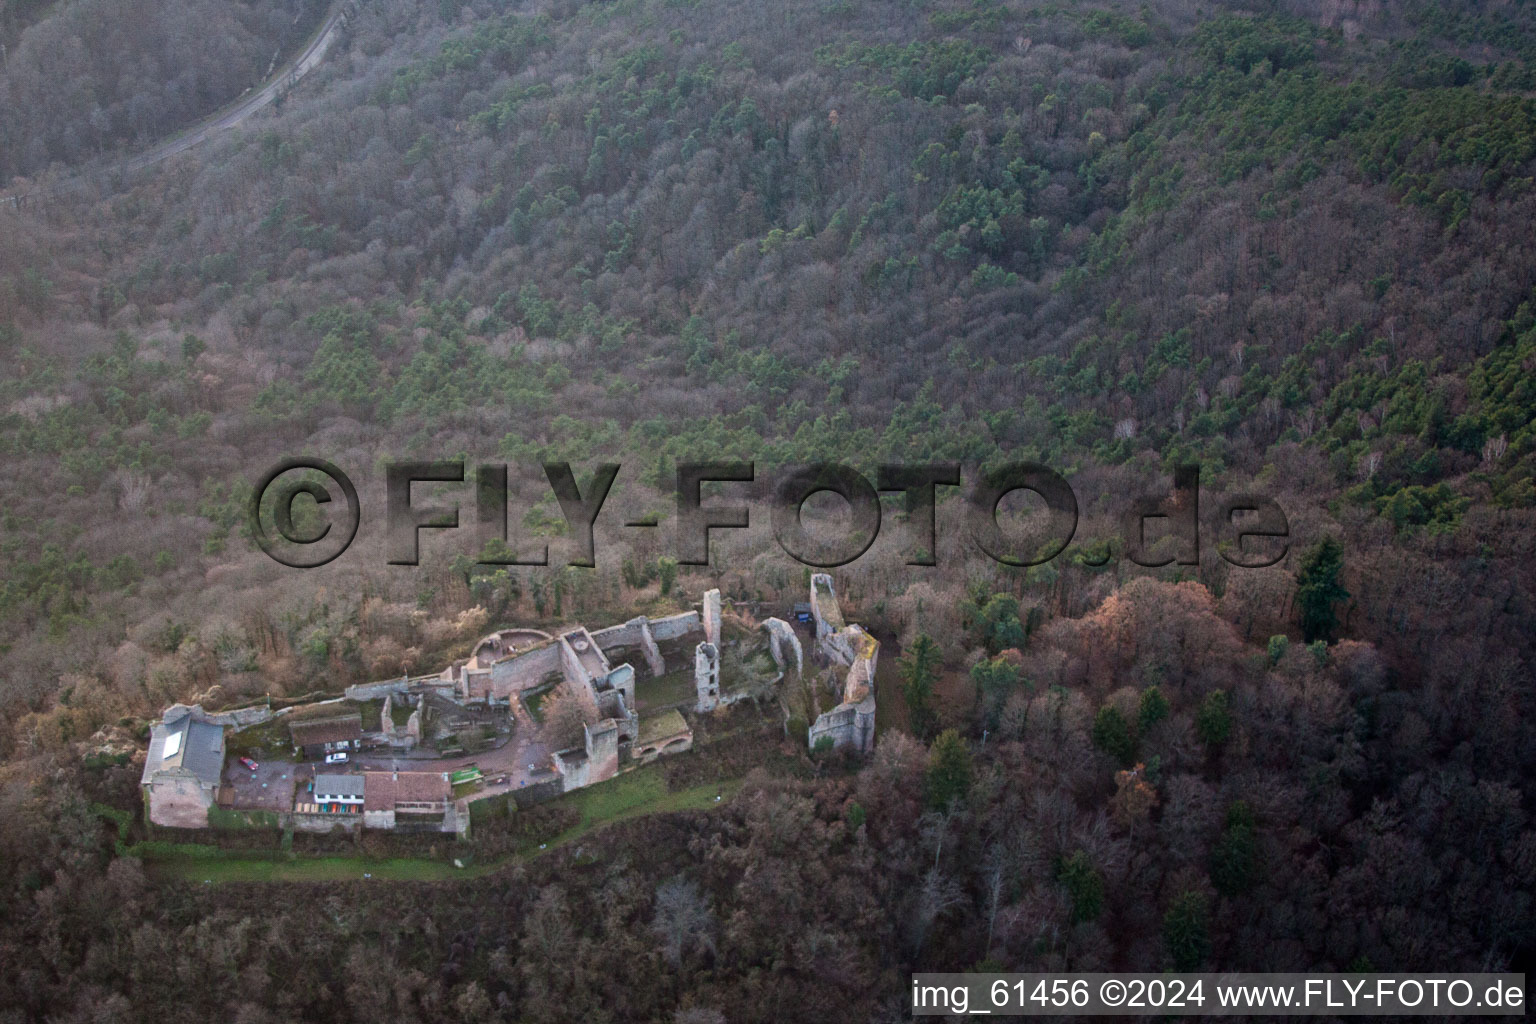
386, 789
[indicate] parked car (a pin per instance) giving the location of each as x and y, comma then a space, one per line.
252, 765
336, 758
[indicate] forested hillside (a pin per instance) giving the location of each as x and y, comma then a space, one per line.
82, 77
1291, 242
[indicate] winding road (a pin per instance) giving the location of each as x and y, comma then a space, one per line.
223, 119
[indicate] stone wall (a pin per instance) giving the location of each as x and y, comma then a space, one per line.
825, 609
706, 677
240, 718
387, 719
527, 796
837, 724
524, 671
244, 718
373, 691
861, 674
635, 633
711, 617
379, 819
625, 634
852, 722
848, 725
326, 822
652, 751
574, 767
622, 678
782, 641
603, 750
674, 626
653, 658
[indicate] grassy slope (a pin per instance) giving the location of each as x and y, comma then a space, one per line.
643, 791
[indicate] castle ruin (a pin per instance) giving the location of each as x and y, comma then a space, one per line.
851, 652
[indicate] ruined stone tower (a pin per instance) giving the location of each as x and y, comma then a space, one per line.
706, 676
706, 657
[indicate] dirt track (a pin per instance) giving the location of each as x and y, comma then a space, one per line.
225, 118
251, 102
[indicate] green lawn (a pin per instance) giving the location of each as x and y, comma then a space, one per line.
261, 742
534, 701
642, 791
312, 869
631, 795
673, 688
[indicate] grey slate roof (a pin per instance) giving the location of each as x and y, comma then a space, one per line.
197, 747
339, 785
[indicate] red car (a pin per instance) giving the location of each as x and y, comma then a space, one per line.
252, 765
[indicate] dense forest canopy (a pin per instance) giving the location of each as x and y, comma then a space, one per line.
1290, 242
95, 74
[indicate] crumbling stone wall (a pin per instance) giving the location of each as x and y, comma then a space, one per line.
622, 678
861, 675
241, 718
782, 641
673, 626
825, 610
625, 634
711, 617
387, 719
634, 633
838, 724
852, 722
848, 725
653, 658
373, 691
525, 670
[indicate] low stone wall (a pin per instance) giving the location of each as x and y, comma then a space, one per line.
244, 718
675, 745
373, 691
326, 822
527, 796
240, 718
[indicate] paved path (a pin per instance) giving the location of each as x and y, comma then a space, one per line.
221, 120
